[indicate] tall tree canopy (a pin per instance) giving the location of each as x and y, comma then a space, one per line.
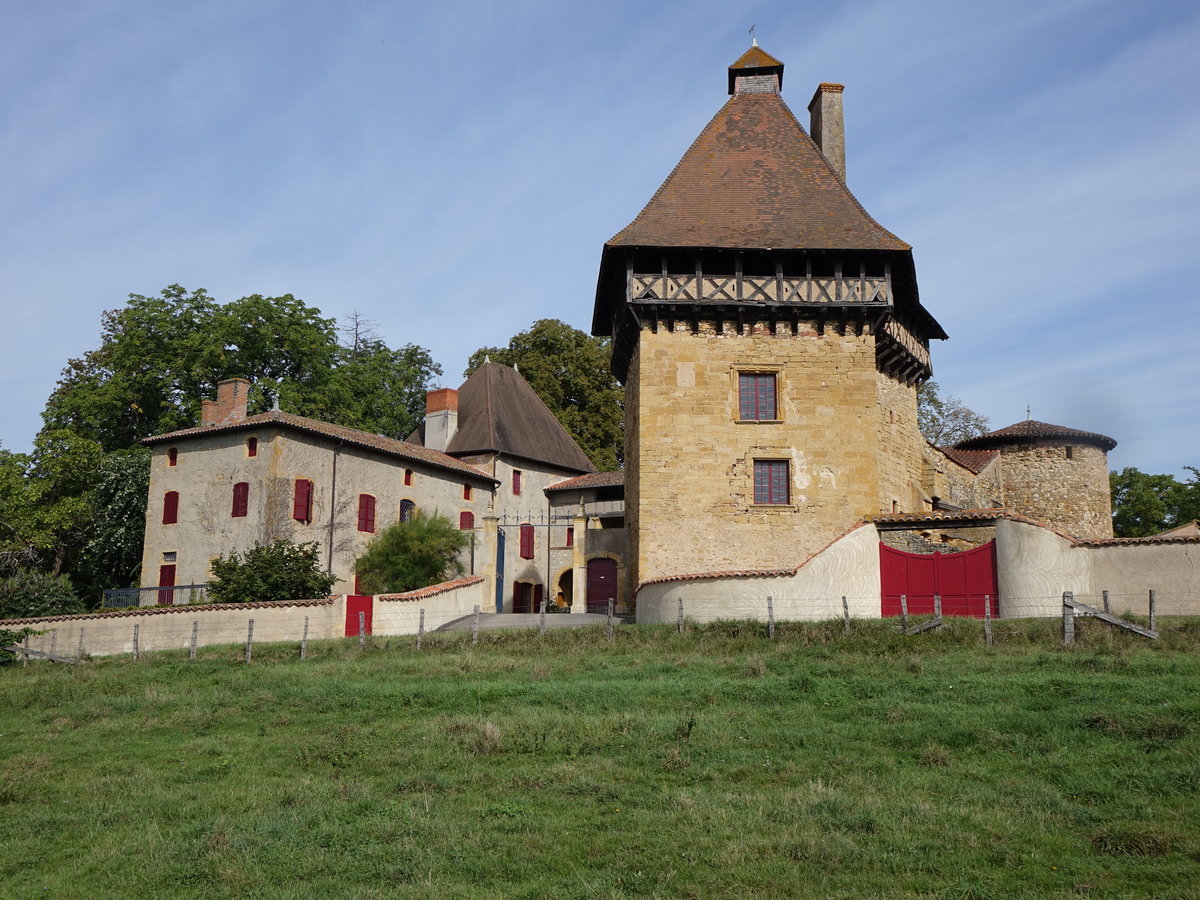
946, 420
569, 369
1145, 504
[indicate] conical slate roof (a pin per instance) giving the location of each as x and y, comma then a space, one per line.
498, 412
1031, 432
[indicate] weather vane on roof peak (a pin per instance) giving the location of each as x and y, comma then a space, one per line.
753, 39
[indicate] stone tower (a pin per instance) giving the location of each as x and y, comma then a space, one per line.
1056, 475
770, 339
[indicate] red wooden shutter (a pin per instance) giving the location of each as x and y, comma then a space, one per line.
517, 598
302, 501
241, 499
172, 456
466, 492
537, 598
252, 446
408, 477
570, 537
516, 482
526, 542
366, 513
170, 507
166, 579
466, 521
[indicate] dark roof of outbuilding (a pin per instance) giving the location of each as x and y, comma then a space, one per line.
392, 447
973, 460
755, 179
1031, 432
593, 480
498, 412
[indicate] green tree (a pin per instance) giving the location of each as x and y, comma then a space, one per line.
27, 595
111, 555
570, 370
946, 420
1145, 504
408, 555
274, 572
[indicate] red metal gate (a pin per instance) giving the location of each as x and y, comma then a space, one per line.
356, 603
961, 579
601, 584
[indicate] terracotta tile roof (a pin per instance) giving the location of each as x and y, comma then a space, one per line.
168, 610
593, 480
1167, 538
433, 590
755, 179
974, 460
1031, 431
390, 446
754, 58
498, 412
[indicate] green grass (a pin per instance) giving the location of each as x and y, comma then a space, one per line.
710, 764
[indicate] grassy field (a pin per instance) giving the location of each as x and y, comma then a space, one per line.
710, 764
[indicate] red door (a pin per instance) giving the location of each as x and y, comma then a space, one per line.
601, 584
166, 579
961, 579
355, 604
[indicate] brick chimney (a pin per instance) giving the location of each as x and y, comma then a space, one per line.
827, 127
441, 418
230, 405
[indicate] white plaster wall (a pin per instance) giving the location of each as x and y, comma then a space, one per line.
1129, 571
401, 613
849, 567
1034, 566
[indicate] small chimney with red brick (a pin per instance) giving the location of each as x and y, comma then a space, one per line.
230, 405
826, 125
441, 418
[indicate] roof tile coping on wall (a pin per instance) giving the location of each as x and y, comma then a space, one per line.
591, 480
163, 610
390, 446
433, 590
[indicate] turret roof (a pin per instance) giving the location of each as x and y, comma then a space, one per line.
1031, 431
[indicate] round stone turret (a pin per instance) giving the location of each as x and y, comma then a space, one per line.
1056, 475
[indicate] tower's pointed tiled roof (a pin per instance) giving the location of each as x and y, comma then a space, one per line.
1031, 431
755, 179
498, 412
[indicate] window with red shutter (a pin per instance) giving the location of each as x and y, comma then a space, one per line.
408, 477
466, 492
570, 537
516, 482
302, 501
526, 542
170, 507
466, 521
366, 513
241, 499
537, 598
173, 456
252, 446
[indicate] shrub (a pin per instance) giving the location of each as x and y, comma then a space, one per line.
414, 554
26, 595
270, 573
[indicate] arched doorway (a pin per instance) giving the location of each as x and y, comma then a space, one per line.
601, 584
566, 588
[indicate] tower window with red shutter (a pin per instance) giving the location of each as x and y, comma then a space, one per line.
526, 542
366, 513
302, 501
241, 499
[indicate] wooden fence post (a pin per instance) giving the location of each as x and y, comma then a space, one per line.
987, 619
304, 640
1104, 594
362, 629
79, 653
770, 617
904, 611
681, 615
1068, 618
420, 628
135, 643
609, 630
25, 644
249, 640
192, 645
54, 641
937, 606
475, 627
846, 613
1153, 618
542, 618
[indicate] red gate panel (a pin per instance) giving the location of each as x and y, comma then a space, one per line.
961, 579
356, 603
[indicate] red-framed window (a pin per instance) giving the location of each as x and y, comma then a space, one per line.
771, 483
466, 521
252, 446
173, 456
756, 396
241, 499
302, 501
516, 484
407, 508
170, 507
366, 513
570, 536
466, 492
526, 542
408, 477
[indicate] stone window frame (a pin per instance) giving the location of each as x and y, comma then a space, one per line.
767, 459
737, 370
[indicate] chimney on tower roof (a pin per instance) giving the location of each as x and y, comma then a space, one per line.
826, 125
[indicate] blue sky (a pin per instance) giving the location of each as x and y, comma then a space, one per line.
451, 171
